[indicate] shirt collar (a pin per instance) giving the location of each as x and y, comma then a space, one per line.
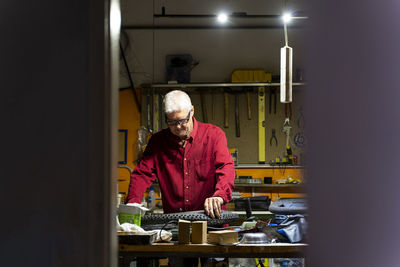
192, 136
195, 127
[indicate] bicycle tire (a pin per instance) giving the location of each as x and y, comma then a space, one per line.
198, 215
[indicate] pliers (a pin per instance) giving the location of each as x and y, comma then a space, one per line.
273, 137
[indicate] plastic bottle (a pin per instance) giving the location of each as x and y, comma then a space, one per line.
152, 199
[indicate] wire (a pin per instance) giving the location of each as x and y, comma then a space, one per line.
162, 228
286, 38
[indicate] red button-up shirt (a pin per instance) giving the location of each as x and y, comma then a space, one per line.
187, 175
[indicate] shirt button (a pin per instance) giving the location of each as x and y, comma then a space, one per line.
186, 172
184, 158
187, 200
180, 209
187, 187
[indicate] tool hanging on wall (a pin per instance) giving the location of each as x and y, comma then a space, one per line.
237, 120
248, 96
261, 124
155, 112
273, 138
272, 96
162, 113
249, 76
286, 130
226, 109
228, 91
148, 104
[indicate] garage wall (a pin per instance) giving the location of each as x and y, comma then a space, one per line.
129, 119
219, 53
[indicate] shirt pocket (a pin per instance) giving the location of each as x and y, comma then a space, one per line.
205, 169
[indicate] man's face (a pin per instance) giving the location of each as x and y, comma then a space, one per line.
180, 123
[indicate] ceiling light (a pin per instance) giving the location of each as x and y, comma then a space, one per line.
222, 18
287, 17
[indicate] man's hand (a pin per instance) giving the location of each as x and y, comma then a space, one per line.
212, 206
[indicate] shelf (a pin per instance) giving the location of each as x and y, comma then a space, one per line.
197, 85
267, 166
272, 188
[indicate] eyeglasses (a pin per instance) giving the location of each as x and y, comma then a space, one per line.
176, 122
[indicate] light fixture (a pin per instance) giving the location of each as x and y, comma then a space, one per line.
222, 18
287, 17
286, 66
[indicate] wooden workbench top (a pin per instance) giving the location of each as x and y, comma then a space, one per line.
277, 250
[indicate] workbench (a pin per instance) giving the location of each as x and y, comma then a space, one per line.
127, 253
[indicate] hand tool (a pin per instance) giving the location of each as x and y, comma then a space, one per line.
256, 75
155, 112
248, 90
272, 93
148, 109
286, 130
273, 138
237, 121
226, 109
162, 113
261, 124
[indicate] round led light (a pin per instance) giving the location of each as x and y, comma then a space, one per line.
287, 17
222, 18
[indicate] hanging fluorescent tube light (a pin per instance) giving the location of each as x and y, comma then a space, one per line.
286, 66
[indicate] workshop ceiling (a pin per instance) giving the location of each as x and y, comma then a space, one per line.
192, 13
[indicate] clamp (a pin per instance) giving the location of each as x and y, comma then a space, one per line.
286, 130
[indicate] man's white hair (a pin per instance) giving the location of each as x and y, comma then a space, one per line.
176, 100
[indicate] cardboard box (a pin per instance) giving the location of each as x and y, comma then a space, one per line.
199, 232
223, 237
183, 232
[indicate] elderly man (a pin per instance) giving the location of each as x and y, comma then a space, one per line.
190, 159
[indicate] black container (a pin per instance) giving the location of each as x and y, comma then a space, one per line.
257, 203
